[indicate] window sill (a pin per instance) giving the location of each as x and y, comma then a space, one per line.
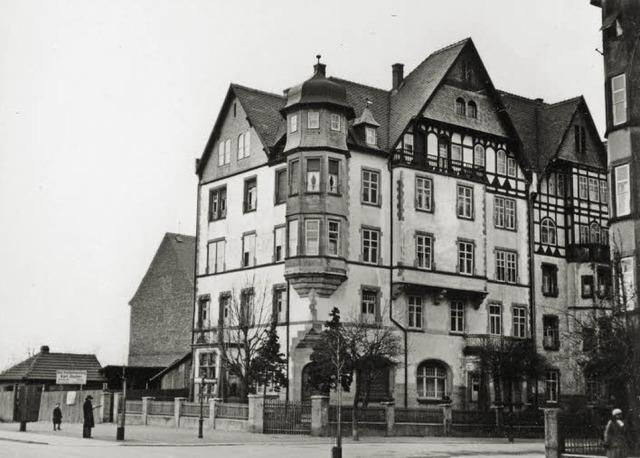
250, 210
280, 202
457, 333
432, 401
555, 348
553, 294
506, 229
468, 218
313, 193
369, 204
333, 193
419, 330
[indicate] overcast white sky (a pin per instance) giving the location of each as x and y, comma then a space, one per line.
104, 106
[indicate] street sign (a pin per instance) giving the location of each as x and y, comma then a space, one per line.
71, 377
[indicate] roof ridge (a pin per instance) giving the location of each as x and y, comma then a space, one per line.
439, 51
359, 84
181, 235
247, 88
452, 45
518, 96
561, 102
35, 358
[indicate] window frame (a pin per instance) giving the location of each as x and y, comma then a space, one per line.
472, 245
552, 385
548, 231
293, 123
371, 248
551, 334
247, 194
216, 268
293, 237
307, 233
495, 319
428, 250
336, 190
280, 175
623, 100
313, 120
549, 271
508, 215
583, 187
337, 238
519, 322
280, 303
440, 379
424, 193
622, 206
293, 177
472, 109
464, 201
282, 229
460, 107
375, 303
219, 195
501, 162
457, 317
512, 167
371, 187
415, 313
252, 260
509, 265
336, 122
309, 174
203, 316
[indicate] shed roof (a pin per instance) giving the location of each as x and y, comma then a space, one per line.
43, 367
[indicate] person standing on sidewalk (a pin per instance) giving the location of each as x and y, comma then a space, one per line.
615, 436
57, 417
87, 410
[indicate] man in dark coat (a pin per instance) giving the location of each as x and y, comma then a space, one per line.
87, 409
57, 417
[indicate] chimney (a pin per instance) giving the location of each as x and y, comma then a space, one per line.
319, 69
540, 100
44, 349
397, 72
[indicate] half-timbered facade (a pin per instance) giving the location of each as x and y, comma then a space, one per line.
410, 206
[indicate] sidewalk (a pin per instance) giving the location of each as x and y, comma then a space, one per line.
141, 436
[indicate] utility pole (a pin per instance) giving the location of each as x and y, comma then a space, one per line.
120, 430
336, 452
201, 420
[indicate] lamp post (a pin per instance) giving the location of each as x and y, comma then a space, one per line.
120, 429
201, 420
336, 452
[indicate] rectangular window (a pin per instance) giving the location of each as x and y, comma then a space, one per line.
204, 313
250, 195
280, 305
506, 266
424, 193
520, 322
407, 141
465, 202
247, 296
604, 191
227, 151
619, 99
623, 190
218, 203
207, 366
583, 188
369, 304
281, 186
550, 332
627, 283
550, 280
294, 177
370, 245
313, 175
552, 385
293, 123
415, 312
225, 308
512, 169
370, 187
278, 244
587, 286
584, 233
474, 386
333, 238
333, 181
594, 389
371, 136
604, 281
248, 250
551, 183
312, 237
215, 262
293, 237
465, 258
504, 213
221, 153
594, 191
313, 120
424, 250
457, 316
335, 122
495, 319
561, 185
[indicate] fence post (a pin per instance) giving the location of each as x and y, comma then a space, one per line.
319, 415
116, 406
145, 408
552, 442
390, 416
256, 413
446, 418
105, 407
212, 411
177, 410
499, 411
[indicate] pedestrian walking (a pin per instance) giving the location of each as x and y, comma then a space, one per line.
57, 417
87, 410
615, 436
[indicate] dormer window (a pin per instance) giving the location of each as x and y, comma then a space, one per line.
293, 123
371, 136
580, 139
313, 120
335, 122
472, 110
460, 107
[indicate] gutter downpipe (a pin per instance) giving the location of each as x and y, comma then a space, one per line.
404, 331
288, 344
532, 281
195, 293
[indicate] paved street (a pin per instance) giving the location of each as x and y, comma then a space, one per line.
143, 442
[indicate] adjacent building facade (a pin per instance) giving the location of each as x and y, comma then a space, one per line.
453, 212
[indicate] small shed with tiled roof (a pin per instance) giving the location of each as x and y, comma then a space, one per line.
42, 367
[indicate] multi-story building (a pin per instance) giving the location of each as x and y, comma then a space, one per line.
433, 206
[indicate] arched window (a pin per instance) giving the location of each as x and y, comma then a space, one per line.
432, 380
548, 232
241, 146
478, 156
472, 110
460, 107
594, 229
501, 162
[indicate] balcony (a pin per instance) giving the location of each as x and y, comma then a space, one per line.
476, 343
588, 252
418, 159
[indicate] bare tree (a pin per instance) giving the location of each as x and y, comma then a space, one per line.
244, 321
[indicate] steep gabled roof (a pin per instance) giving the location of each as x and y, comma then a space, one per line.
418, 87
543, 127
43, 366
180, 247
263, 113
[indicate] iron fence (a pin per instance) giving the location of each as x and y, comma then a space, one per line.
285, 417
